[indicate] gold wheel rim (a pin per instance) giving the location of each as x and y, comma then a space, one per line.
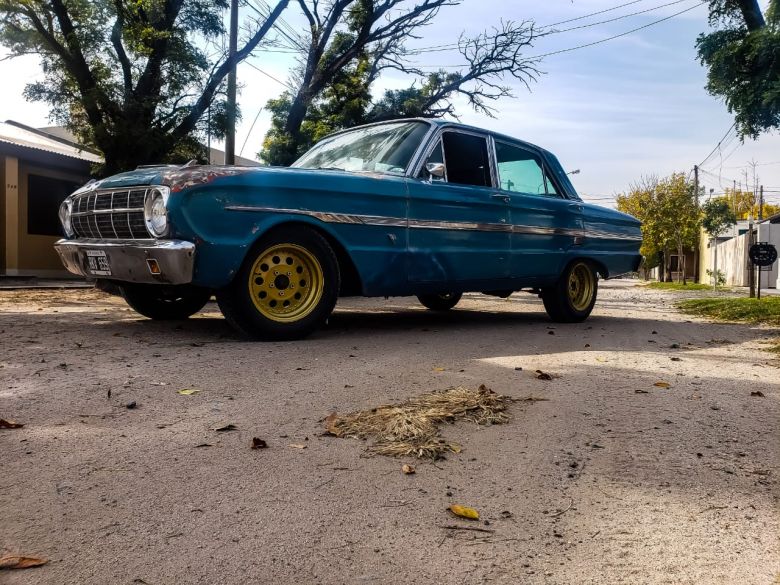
582, 284
286, 283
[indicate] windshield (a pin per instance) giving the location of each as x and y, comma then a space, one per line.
384, 148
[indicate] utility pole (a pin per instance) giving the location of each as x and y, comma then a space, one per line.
698, 238
230, 135
751, 273
761, 202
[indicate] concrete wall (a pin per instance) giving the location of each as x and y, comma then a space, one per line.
732, 257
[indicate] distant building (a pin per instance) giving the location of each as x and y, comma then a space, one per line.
39, 167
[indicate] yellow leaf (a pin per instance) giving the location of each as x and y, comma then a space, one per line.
464, 512
438, 369
663, 384
455, 448
408, 469
188, 391
297, 446
19, 562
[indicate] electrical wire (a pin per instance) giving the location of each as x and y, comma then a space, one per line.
717, 146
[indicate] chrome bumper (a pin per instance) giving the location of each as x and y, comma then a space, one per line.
130, 260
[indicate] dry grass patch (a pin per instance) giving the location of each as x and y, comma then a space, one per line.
412, 427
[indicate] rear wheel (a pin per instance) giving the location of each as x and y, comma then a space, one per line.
441, 301
572, 298
165, 303
286, 288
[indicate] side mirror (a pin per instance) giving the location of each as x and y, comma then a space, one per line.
436, 170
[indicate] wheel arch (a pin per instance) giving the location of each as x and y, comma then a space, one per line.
600, 267
351, 282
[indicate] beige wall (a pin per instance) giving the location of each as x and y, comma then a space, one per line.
26, 254
2, 213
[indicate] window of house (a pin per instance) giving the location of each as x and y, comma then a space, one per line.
44, 195
522, 171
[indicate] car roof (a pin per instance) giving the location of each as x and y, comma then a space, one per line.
440, 123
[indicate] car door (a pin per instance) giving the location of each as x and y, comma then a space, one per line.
458, 225
545, 224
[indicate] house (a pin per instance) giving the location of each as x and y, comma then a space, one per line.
37, 171
39, 167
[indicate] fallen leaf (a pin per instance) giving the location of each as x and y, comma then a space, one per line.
676, 359
601, 359
188, 391
204, 445
225, 428
330, 425
259, 443
662, 384
19, 562
757, 393
9, 424
438, 369
455, 448
534, 399
408, 469
540, 375
297, 445
464, 512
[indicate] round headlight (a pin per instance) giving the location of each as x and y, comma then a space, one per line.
65, 215
156, 213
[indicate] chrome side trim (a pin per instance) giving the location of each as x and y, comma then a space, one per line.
380, 220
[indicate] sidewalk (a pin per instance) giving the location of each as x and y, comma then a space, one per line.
19, 282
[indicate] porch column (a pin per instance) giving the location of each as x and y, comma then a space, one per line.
12, 219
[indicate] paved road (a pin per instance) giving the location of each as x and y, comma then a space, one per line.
610, 479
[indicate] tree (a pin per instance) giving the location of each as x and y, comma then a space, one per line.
717, 215
743, 203
350, 42
743, 60
670, 219
130, 77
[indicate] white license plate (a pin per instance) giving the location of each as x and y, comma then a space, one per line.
97, 263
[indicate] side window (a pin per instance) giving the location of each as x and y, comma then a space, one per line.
436, 157
521, 171
467, 159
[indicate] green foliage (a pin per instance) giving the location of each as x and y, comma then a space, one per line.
132, 78
766, 310
743, 60
717, 275
717, 215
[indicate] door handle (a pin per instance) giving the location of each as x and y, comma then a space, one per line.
576, 206
501, 196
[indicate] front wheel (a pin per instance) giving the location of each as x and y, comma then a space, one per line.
572, 298
440, 302
165, 303
286, 287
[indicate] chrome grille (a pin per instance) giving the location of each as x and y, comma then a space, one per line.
110, 214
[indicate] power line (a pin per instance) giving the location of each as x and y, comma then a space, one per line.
706, 158
628, 32
256, 68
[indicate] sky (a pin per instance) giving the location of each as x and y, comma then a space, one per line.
618, 110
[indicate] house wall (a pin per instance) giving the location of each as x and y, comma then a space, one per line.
22, 253
769, 232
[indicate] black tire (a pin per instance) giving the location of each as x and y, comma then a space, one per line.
441, 301
165, 303
277, 261
572, 298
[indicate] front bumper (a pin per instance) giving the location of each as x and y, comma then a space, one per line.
141, 261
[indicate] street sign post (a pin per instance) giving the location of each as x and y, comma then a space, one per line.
762, 255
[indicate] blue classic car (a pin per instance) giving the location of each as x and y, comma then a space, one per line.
409, 207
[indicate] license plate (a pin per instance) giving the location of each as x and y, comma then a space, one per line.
97, 263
